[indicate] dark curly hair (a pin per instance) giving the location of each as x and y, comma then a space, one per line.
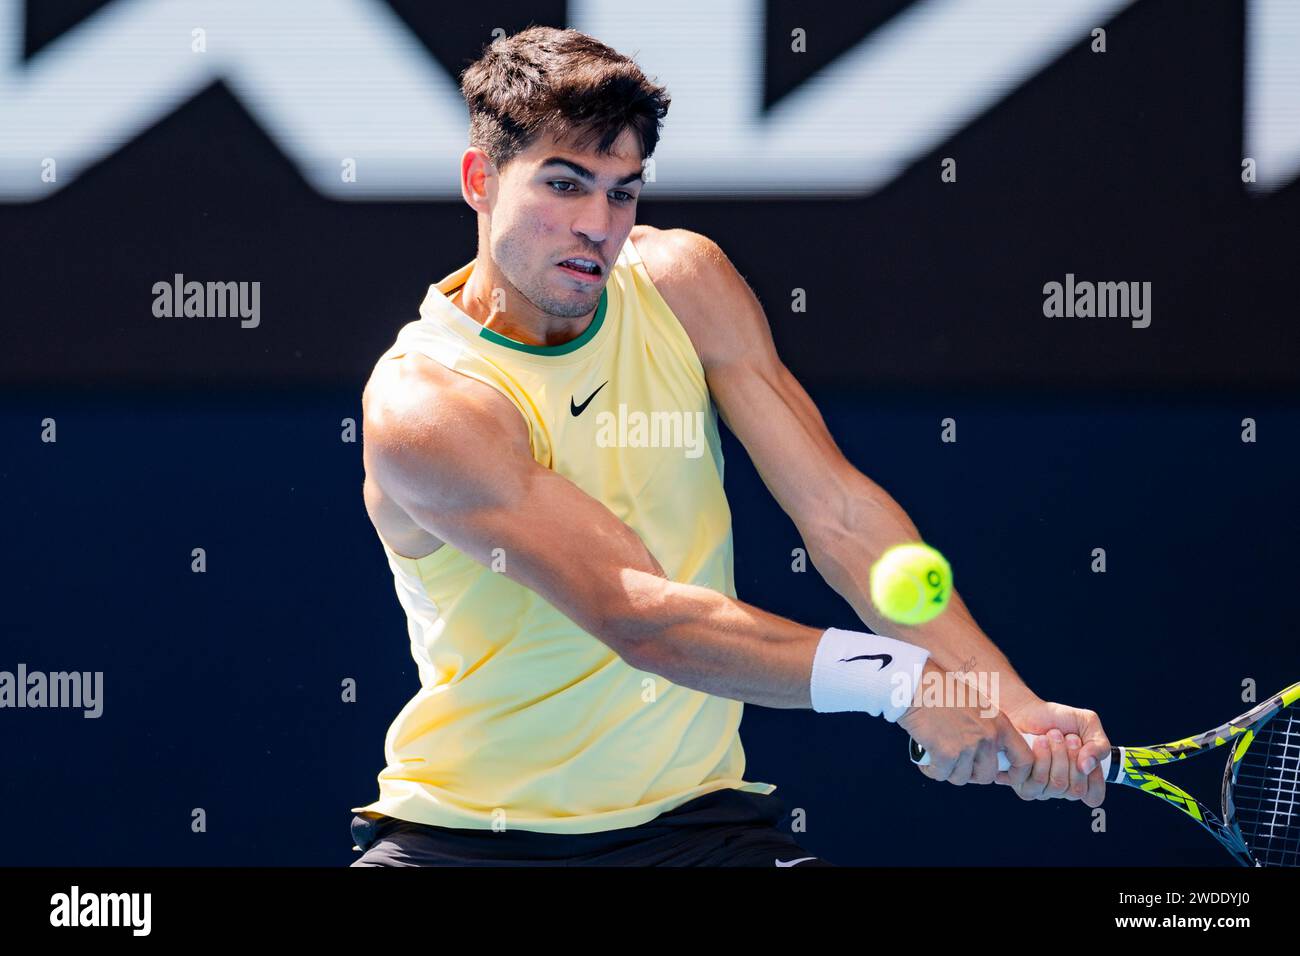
561, 81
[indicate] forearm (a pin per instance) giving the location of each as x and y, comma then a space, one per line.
707, 641
844, 552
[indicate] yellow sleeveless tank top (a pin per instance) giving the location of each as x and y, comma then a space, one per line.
522, 719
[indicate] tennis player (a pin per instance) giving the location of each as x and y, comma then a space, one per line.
544, 472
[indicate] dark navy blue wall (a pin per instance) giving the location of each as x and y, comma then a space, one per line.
925, 301
222, 690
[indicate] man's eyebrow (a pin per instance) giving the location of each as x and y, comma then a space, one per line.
582, 172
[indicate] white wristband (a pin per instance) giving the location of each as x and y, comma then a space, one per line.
854, 670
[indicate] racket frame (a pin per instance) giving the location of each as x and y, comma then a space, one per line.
1129, 767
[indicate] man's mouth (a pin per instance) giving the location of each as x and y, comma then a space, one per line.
581, 265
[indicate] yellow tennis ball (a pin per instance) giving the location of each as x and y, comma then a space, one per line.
911, 583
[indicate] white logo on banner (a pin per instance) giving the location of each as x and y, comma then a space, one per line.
343, 84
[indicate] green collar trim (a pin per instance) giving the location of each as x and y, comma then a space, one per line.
563, 348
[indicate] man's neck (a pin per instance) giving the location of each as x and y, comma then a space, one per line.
528, 325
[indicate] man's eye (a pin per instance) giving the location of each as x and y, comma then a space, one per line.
620, 195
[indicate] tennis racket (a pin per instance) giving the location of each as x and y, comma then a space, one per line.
1260, 821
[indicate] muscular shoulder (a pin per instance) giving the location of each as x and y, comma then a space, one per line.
685, 265
705, 291
414, 405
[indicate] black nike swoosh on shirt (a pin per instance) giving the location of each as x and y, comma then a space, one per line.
885, 659
577, 410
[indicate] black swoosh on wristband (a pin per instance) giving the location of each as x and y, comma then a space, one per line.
885, 659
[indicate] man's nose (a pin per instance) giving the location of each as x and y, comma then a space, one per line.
593, 220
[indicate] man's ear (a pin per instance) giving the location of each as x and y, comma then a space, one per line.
478, 179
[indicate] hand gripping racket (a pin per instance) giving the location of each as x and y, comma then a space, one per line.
1260, 822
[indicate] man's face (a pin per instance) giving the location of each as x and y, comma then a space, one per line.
555, 203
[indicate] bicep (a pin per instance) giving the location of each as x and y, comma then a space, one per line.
760, 400
786, 437
465, 475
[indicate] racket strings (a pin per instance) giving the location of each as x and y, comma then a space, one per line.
1266, 791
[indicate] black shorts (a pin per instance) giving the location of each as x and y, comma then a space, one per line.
724, 828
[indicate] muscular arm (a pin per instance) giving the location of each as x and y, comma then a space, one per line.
453, 454
845, 519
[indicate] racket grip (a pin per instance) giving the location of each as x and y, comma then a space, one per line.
921, 757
